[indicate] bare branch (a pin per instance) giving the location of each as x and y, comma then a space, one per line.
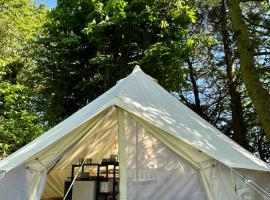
253, 23
262, 53
260, 32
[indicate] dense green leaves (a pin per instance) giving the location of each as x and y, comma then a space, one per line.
96, 43
19, 123
20, 24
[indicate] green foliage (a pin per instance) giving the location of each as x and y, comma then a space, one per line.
20, 23
20, 124
115, 10
95, 43
150, 34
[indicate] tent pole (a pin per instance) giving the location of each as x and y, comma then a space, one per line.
122, 154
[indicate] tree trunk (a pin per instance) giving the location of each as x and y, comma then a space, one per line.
198, 109
261, 150
259, 95
238, 123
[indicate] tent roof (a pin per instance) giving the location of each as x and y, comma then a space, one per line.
140, 95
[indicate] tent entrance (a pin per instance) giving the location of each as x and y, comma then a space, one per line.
154, 171
99, 143
148, 168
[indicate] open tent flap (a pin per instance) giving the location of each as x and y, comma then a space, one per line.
100, 141
36, 174
45, 160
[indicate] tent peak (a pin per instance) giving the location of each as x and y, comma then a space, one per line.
136, 69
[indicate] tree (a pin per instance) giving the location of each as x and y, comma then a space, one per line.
207, 69
20, 22
238, 122
89, 45
258, 94
212, 72
19, 122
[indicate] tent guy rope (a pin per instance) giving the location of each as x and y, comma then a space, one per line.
2, 173
95, 140
262, 192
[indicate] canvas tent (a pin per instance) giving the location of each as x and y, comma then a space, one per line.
166, 151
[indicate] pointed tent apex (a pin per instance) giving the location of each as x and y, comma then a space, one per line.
136, 69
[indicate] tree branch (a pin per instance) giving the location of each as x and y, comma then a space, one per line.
245, 1
260, 32
192, 76
184, 99
253, 23
262, 53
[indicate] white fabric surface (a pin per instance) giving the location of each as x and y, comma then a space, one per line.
13, 186
155, 172
36, 174
235, 184
248, 188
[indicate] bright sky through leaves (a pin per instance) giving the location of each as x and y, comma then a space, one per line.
49, 3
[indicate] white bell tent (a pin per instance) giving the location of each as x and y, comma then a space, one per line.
166, 151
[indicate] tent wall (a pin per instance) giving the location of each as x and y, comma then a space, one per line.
187, 152
14, 184
255, 179
234, 184
154, 171
220, 182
